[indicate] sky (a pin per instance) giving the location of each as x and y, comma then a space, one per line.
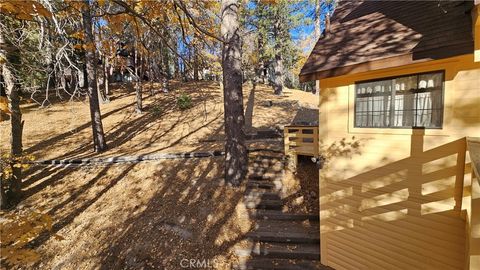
307, 8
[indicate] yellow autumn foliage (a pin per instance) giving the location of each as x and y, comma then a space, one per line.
7, 162
16, 231
4, 105
23, 9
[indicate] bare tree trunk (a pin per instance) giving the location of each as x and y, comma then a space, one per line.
317, 18
106, 77
195, 60
3, 195
195, 66
11, 89
151, 75
165, 57
236, 159
175, 59
99, 143
84, 73
278, 63
165, 84
278, 75
166, 62
138, 86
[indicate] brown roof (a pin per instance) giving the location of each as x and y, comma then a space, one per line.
368, 35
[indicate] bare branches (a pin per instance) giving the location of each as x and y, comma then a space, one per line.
190, 18
131, 11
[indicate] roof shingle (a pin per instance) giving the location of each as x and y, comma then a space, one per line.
366, 35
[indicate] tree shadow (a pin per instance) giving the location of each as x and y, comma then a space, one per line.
192, 208
68, 219
184, 220
123, 133
249, 110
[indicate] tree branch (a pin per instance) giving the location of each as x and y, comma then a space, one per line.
190, 18
146, 22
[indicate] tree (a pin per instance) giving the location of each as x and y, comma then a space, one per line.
236, 159
278, 23
137, 76
17, 63
99, 142
323, 9
317, 33
273, 22
10, 58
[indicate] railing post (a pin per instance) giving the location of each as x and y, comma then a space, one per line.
299, 145
286, 140
473, 213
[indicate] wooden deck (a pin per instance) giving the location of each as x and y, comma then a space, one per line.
300, 140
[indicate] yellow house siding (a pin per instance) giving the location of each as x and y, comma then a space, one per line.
391, 198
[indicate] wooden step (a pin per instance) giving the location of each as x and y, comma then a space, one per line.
286, 251
266, 164
259, 165
287, 226
284, 237
261, 184
267, 157
271, 176
259, 263
264, 204
260, 176
279, 215
259, 195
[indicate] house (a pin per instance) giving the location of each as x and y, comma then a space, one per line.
399, 100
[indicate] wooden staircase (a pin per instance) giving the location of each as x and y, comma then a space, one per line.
278, 240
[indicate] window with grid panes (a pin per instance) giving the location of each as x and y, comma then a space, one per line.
402, 102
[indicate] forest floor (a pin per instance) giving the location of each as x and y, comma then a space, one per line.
148, 215
63, 130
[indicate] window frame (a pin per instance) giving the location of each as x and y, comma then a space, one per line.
392, 79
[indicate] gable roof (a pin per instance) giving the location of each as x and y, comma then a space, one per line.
369, 35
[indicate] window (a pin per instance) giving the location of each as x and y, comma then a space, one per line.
402, 102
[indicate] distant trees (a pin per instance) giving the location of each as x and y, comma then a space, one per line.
73, 47
272, 22
18, 62
281, 37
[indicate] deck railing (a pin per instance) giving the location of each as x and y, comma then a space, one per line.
301, 140
473, 147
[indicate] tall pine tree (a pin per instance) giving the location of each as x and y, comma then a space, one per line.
236, 159
273, 23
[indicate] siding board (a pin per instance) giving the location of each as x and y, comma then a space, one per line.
389, 199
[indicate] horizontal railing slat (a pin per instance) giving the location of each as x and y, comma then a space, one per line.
301, 140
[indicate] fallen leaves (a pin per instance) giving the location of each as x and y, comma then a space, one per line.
16, 231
